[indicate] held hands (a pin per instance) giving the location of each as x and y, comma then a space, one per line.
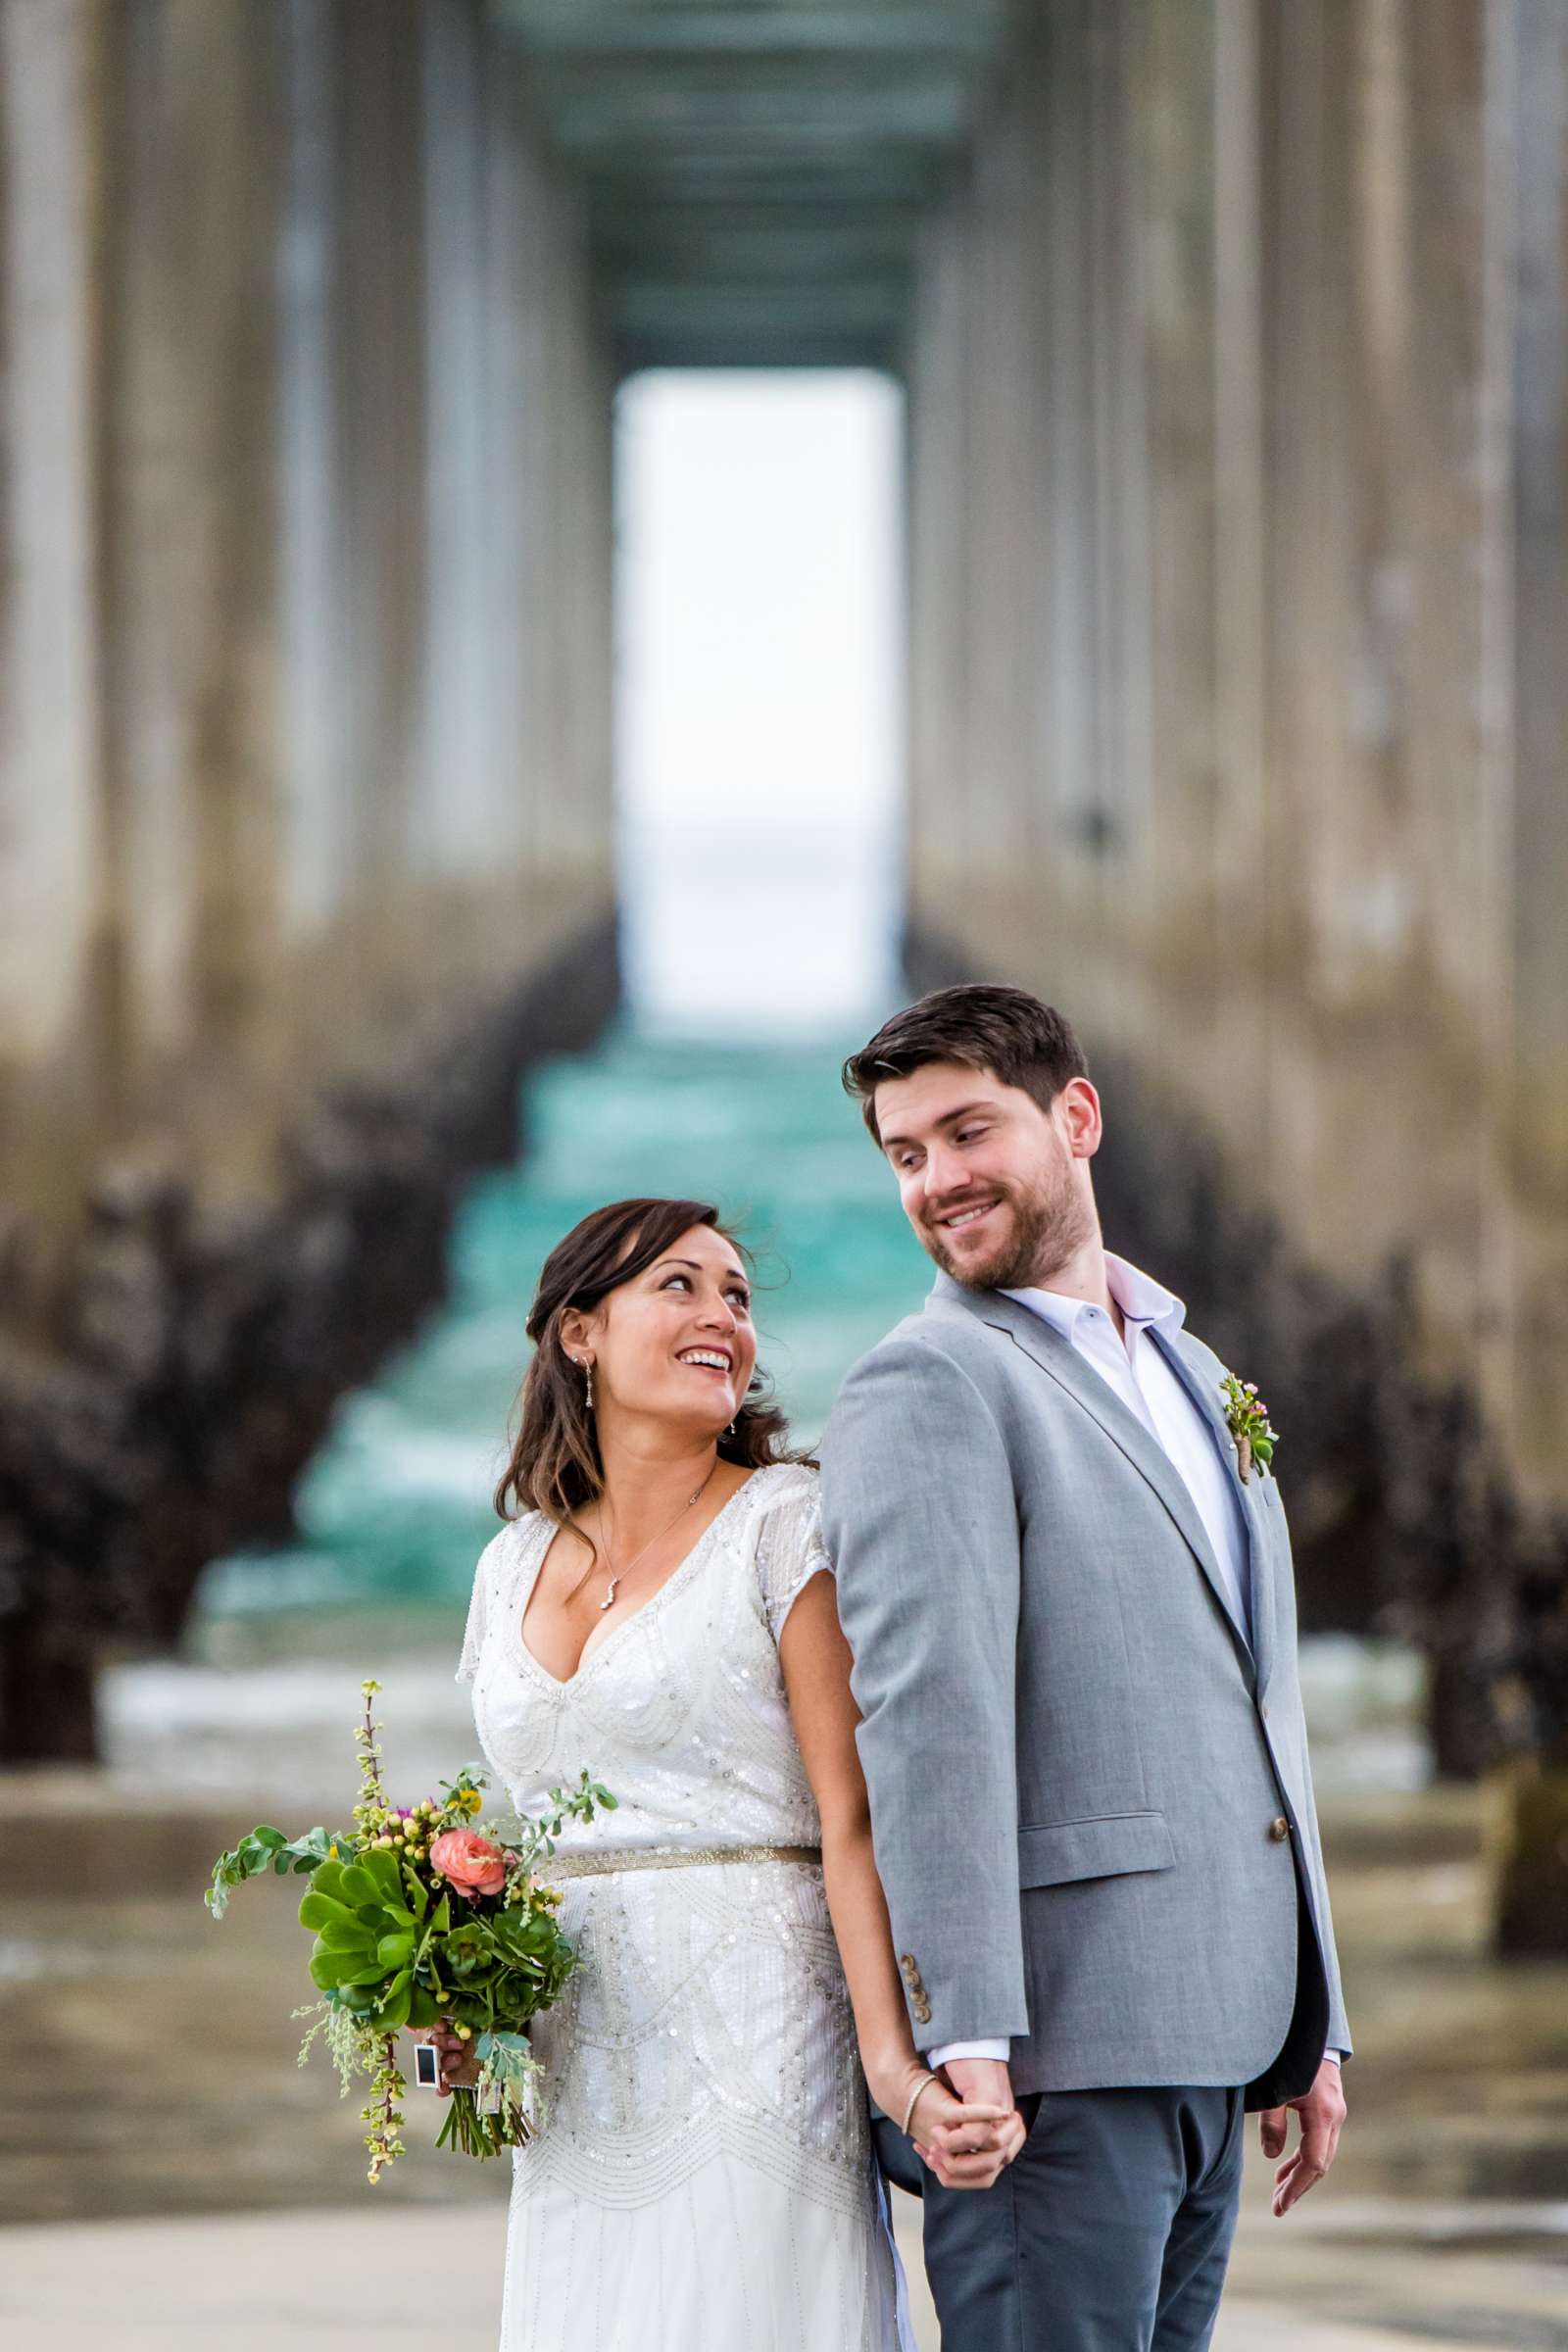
968, 2142
1322, 2111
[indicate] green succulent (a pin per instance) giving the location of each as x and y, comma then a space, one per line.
384, 1950
373, 1922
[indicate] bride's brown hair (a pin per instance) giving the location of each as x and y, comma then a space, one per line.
554, 1466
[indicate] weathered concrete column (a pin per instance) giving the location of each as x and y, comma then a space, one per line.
188, 133
1272, 305
304, 778
1529, 144
1527, 424
52, 879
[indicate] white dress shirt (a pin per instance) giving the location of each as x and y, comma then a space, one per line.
1144, 1378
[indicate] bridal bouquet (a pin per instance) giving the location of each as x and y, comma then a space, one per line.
422, 1912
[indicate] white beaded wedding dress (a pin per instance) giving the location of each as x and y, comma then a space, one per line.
703, 2179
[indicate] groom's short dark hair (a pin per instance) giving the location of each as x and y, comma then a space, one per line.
1006, 1030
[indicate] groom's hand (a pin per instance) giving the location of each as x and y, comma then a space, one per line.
980, 2082
1322, 2111
969, 2149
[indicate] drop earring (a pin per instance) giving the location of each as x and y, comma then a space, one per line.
588, 1384
730, 1432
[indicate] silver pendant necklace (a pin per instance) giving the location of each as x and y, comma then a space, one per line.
622, 1574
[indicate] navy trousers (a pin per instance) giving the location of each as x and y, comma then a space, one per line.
1110, 2232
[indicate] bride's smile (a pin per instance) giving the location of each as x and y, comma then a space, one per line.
673, 1350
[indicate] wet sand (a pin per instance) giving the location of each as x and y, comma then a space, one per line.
334, 2279
150, 2087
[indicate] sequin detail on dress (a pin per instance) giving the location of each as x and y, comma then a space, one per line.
702, 2061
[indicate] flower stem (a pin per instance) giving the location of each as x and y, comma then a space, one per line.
369, 1753
384, 2113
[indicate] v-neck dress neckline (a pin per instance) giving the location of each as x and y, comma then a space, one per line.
589, 1655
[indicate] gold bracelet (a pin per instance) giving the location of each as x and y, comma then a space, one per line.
923, 2085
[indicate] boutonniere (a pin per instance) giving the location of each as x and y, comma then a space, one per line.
1247, 1419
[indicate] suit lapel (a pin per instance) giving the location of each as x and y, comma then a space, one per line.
1057, 1357
1183, 1357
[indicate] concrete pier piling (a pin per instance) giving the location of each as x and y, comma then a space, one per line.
1238, 422
304, 842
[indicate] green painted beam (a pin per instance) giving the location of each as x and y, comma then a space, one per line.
756, 175
811, 242
652, 306
912, 178
697, 344
806, 86
610, 122
579, 28
767, 206
886, 354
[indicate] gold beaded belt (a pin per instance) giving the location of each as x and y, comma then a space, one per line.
666, 1857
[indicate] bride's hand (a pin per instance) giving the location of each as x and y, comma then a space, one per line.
965, 2146
456, 2057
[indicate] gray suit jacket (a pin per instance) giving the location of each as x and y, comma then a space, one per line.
1090, 1799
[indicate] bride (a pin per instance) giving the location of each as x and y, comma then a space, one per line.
660, 1610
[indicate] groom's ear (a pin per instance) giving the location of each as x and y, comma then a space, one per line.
1078, 1106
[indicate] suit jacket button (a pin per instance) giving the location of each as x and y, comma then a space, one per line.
1279, 1829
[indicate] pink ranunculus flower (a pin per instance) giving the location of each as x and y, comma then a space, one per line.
472, 1864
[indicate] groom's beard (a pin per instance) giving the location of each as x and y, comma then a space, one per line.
1045, 1226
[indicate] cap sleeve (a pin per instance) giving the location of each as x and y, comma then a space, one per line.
790, 1549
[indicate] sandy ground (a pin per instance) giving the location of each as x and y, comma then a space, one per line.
172, 2181
336, 2280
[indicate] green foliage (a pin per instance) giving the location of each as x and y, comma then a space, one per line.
576, 1804
267, 1848
346, 2041
1247, 1418
496, 2118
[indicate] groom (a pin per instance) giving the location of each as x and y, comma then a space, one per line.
1068, 1592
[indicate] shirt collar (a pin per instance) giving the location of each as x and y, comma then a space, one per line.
1142, 1299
